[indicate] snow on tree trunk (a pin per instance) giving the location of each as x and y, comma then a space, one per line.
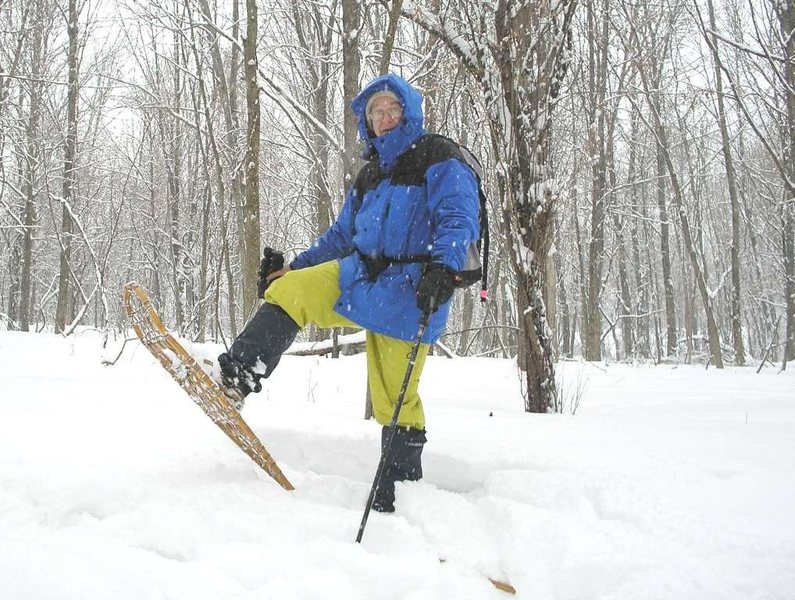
249, 256
787, 18
518, 56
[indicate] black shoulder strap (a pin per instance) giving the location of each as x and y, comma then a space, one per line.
367, 178
429, 150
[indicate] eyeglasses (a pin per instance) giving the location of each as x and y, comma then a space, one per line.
393, 113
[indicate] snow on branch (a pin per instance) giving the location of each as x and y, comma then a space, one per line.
464, 49
276, 90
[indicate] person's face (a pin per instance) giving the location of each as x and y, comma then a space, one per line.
385, 115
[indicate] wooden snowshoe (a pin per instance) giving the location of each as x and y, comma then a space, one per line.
217, 403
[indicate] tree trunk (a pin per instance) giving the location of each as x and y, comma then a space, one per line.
467, 312
664, 153
69, 172
206, 147
565, 316
174, 160
157, 292
227, 93
731, 182
528, 209
435, 82
317, 87
389, 39
787, 17
625, 297
689, 317
31, 159
597, 140
14, 284
643, 278
665, 252
351, 66
249, 259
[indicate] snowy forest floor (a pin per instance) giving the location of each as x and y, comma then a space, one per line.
670, 482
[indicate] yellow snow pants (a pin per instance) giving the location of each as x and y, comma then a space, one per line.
308, 296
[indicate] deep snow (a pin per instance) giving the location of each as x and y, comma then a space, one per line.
670, 482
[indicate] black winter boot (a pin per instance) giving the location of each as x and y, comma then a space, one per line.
404, 463
237, 379
257, 350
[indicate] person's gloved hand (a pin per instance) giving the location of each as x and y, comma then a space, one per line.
272, 261
435, 288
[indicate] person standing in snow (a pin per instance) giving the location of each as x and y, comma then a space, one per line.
391, 256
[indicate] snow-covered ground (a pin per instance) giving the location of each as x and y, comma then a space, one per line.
668, 483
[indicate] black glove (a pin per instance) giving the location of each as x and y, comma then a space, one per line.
435, 288
272, 261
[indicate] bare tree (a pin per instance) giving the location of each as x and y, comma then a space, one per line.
314, 30
389, 39
32, 181
597, 37
731, 181
520, 77
772, 61
228, 173
69, 168
786, 14
641, 53
250, 233
351, 68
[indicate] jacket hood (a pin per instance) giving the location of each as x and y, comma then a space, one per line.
394, 143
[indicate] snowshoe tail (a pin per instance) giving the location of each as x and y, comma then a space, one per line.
503, 586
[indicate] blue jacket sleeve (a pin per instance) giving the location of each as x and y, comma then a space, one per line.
336, 242
454, 204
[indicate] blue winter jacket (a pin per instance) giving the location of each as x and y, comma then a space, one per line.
438, 218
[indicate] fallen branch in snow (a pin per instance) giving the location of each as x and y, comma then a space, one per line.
352, 343
349, 344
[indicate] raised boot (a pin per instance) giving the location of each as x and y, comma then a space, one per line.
256, 351
237, 380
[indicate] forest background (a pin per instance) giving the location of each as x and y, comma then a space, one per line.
639, 159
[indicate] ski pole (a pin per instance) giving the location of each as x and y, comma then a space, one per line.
426, 317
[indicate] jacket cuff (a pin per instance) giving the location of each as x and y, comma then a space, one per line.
298, 262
